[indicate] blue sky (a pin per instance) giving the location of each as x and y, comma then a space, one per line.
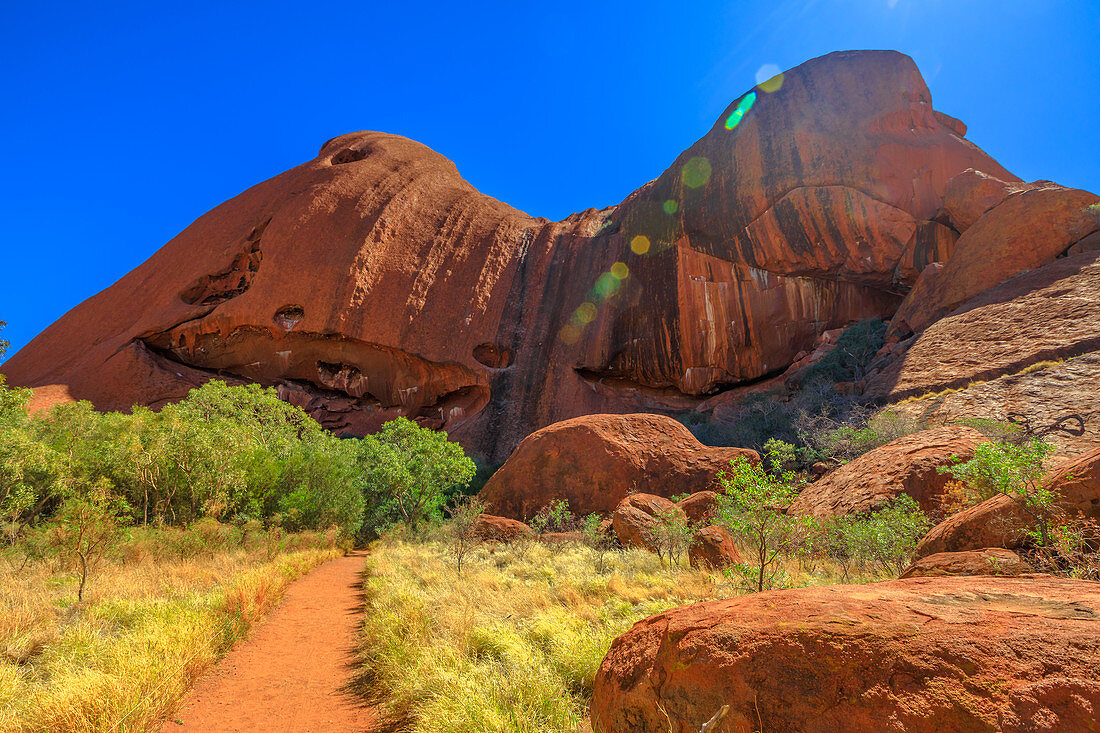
124, 122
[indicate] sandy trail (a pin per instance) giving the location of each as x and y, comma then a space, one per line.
288, 674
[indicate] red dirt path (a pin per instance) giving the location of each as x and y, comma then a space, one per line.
289, 673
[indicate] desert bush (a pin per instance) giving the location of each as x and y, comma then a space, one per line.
670, 534
884, 540
459, 529
1015, 471
554, 517
837, 441
753, 504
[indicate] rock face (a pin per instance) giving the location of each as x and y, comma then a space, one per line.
500, 529
699, 507
595, 461
1027, 230
909, 465
713, 548
918, 655
373, 281
636, 515
987, 561
996, 521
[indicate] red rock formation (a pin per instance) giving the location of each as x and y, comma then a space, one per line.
373, 281
909, 465
594, 461
713, 547
491, 528
635, 516
1027, 230
999, 521
986, 561
699, 507
923, 655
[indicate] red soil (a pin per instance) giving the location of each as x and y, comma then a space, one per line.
289, 674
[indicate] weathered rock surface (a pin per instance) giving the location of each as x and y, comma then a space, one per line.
972, 193
491, 528
985, 346
373, 281
1025, 231
594, 461
997, 522
713, 547
909, 465
987, 561
636, 515
699, 506
923, 655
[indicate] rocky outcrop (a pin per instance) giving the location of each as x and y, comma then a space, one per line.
594, 461
987, 561
713, 548
922, 655
491, 528
909, 465
373, 281
1000, 521
700, 507
1025, 231
635, 517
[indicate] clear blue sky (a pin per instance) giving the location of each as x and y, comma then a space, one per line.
123, 122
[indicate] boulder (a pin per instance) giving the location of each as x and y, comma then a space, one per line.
997, 522
922, 655
491, 528
373, 281
972, 193
1049, 313
635, 515
700, 507
987, 561
713, 547
1025, 231
909, 465
594, 461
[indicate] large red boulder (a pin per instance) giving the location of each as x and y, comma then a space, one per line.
908, 465
713, 547
373, 281
1000, 521
922, 655
500, 529
636, 515
594, 461
700, 507
987, 561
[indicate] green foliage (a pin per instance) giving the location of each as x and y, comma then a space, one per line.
830, 440
554, 517
854, 350
459, 529
885, 538
1015, 471
670, 534
3, 344
408, 473
752, 504
87, 527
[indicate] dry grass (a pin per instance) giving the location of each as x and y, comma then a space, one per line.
151, 622
514, 643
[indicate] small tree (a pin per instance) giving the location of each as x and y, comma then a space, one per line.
752, 503
554, 517
670, 534
86, 527
459, 530
1015, 471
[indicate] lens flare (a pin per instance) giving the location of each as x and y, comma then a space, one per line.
771, 85
620, 271
606, 286
640, 244
585, 314
670, 207
569, 334
765, 72
696, 171
743, 107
